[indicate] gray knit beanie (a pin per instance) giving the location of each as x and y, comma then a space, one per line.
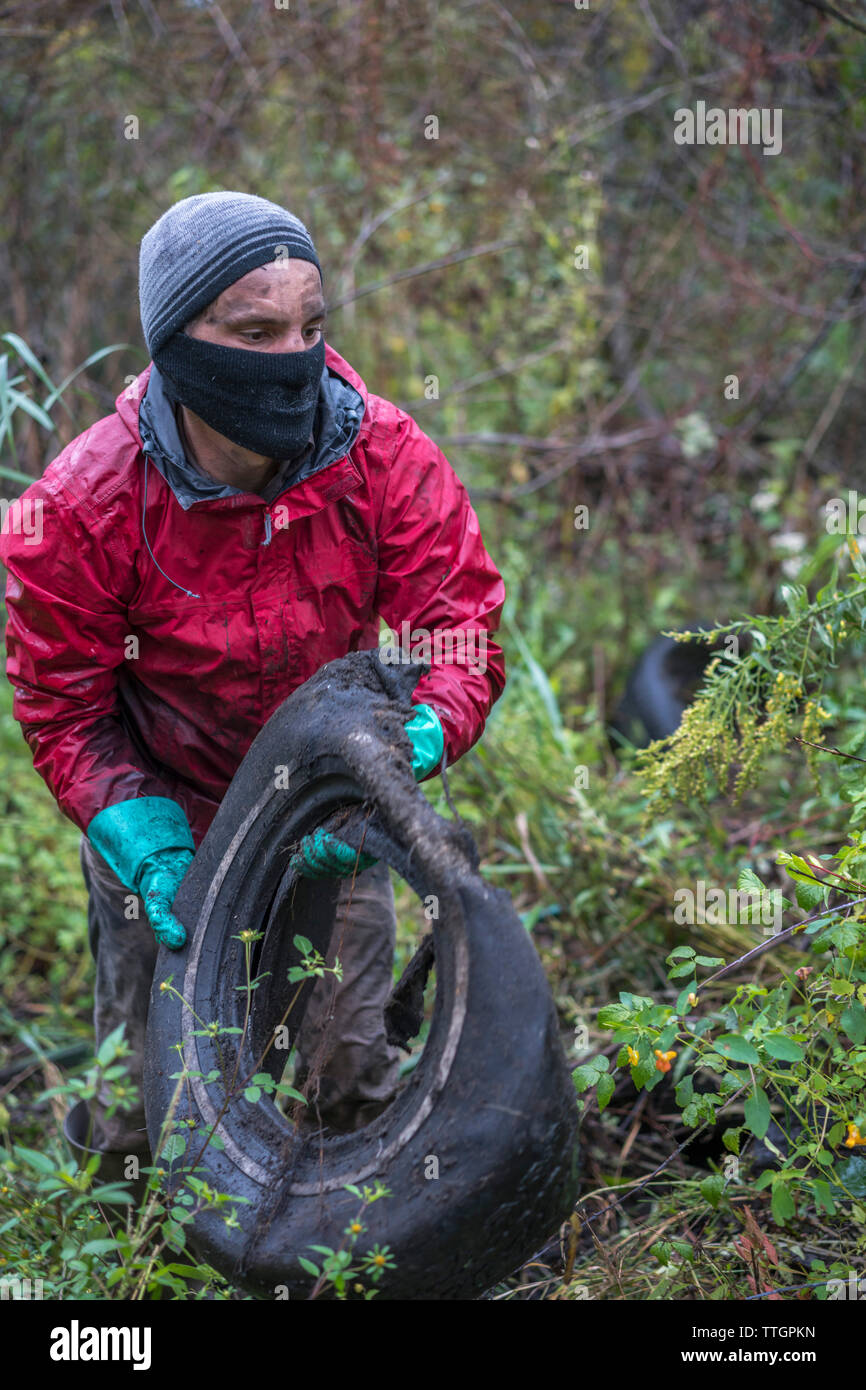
202, 245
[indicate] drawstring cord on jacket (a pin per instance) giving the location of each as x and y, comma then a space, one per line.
189, 593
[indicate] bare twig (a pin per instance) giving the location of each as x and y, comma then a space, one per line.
826, 748
835, 14
662, 38
775, 940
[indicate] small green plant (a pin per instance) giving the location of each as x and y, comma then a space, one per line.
54, 1219
57, 1228
763, 688
793, 1051
343, 1270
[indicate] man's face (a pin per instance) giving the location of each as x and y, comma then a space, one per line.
276, 308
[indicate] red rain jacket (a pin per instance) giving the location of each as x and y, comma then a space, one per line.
126, 686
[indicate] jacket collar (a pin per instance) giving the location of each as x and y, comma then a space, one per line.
339, 413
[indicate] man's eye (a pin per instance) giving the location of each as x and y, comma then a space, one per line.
316, 328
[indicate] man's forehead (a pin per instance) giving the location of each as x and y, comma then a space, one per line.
279, 283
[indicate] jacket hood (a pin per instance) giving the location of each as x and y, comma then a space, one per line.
148, 413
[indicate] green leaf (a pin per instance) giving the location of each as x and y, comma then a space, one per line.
809, 895
757, 1112
635, 1002
733, 1046
782, 1047
31, 408
709, 961
13, 475
41, 1162
794, 597
308, 1266
173, 1148
28, 356
644, 1074
712, 1189
174, 1235
605, 1089
303, 944
613, 1014
584, 1077
284, 1089
748, 882
823, 1197
109, 1047
781, 1201
679, 971
853, 1022
684, 1091
731, 1139
98, 1247
253, 1093
686, 952
839, 937
109, 1193
796, 867
88, 362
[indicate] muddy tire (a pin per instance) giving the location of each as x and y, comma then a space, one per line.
479, 1150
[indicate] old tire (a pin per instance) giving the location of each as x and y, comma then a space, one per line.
660, 687
479, 1150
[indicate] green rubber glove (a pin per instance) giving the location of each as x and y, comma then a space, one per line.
160, 879
148, 843
427, 738
322, 854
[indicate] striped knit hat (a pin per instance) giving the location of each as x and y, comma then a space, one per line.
204, 244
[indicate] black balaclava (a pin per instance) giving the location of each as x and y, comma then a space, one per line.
262, 401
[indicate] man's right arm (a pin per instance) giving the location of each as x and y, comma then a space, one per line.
66, 638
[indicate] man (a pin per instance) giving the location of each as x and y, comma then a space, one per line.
247, 514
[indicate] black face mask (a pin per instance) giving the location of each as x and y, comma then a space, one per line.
263, 401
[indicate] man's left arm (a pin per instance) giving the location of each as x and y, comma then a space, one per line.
436, 576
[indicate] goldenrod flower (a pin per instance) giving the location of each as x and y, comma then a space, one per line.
633, 1056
